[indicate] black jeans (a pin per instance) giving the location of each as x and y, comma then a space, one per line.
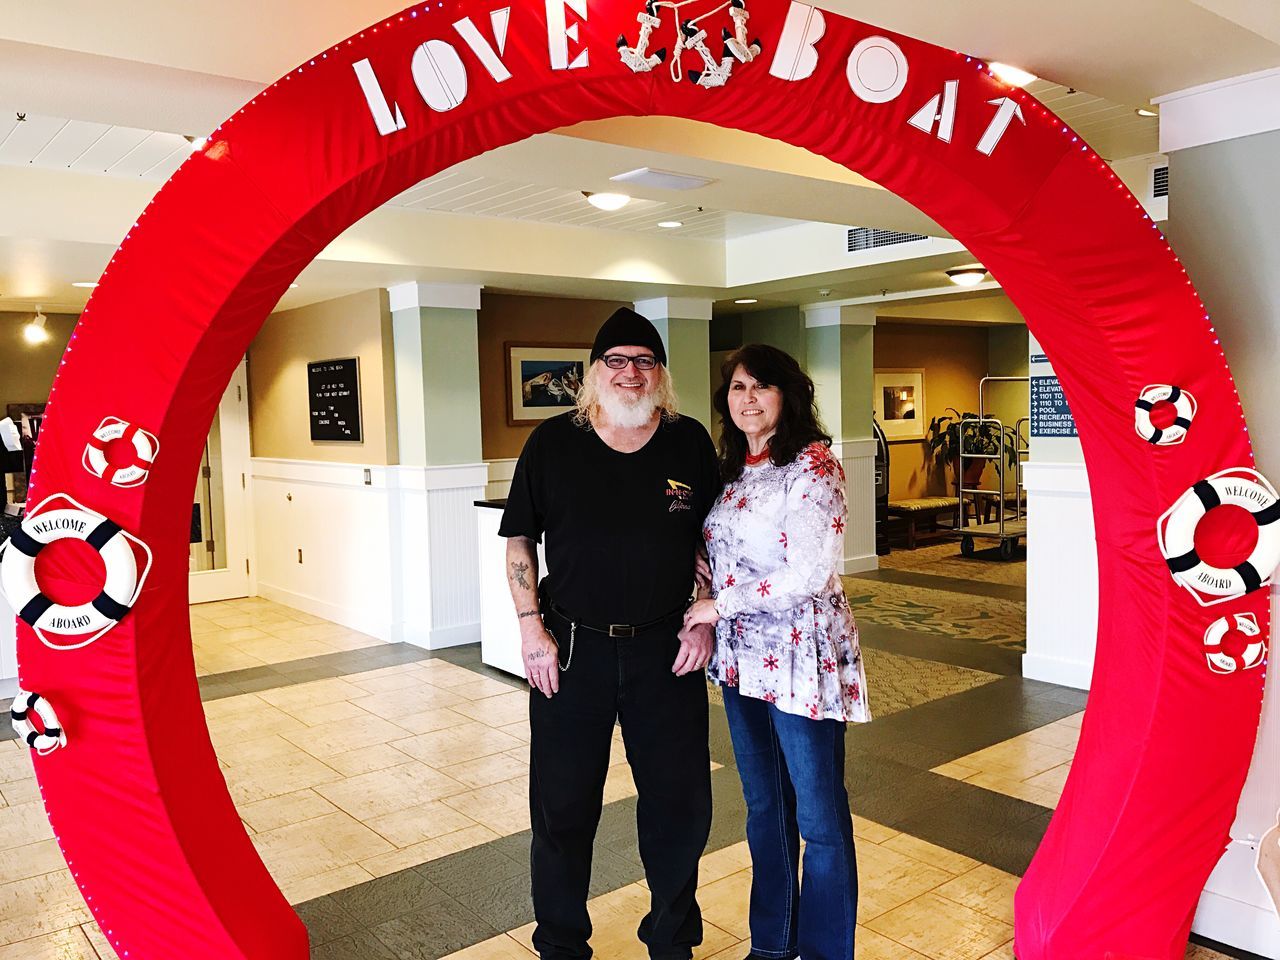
664, 726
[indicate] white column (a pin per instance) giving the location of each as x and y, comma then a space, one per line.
434, 543
684, 325
840, 362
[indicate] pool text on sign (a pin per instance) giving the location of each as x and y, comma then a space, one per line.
876, 69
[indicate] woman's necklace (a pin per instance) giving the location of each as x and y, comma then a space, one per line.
756, 458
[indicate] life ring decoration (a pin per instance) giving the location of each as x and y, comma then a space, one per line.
1176, 530
132, 474
1226, 653
59, 517
1184, 407
50, 735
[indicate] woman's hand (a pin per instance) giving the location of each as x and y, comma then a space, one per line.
701, 611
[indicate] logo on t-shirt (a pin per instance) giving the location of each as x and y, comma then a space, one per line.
679, 495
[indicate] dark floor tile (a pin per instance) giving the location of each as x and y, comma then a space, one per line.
357, 946
611, 872
515, 846
960, 653
477, 867
386, 898
268, 679
326, 920
215, 690
507, 904
290, 667
444, 928
972, 588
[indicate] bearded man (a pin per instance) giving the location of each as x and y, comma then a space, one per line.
620, 489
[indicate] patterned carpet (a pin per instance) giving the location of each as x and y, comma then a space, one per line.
896, 683
944, 560
940, 612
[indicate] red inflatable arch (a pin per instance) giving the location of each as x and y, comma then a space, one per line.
136, 797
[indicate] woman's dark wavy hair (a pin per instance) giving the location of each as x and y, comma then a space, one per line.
798, 423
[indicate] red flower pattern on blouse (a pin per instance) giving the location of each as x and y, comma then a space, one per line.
742, 502
771, 662
763, 589
796, 636
828, 664
770, 697
729, 581
706, 534
728, 495
837, 524
783, 539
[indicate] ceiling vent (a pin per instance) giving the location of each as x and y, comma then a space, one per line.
661, 179
870, 238
1160, 182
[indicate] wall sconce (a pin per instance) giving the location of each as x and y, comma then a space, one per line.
35, 331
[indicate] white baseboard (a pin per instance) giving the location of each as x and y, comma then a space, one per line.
861, 564
8, 688
1237, 924
329, 611
440, 638
1065, 673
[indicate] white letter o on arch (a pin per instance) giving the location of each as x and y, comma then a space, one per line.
877, 70
440, 75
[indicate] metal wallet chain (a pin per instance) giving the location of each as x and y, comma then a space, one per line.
573, 636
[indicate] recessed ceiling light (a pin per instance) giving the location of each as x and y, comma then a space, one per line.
662, 179
606, 201
85, 284
1014, 76
670, 224
1144, 112
969, 276
746, 300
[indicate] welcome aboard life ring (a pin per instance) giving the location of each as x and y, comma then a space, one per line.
1184, 405
43, 741
132, 474
87, 621
1237, 656
1240, 487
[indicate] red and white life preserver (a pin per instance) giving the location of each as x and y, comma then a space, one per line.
43, 741
1238, 657
132, 474
86, 621
1176, 531
1184, 405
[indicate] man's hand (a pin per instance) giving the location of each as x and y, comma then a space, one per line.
696, 644
540, 654
702, 570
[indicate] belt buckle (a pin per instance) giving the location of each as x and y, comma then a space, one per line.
624, 630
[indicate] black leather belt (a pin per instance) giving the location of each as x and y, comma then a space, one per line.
622, 630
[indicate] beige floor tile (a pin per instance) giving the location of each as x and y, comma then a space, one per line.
15, 764
501, 947
931, 854
482, 688
40, 906
429, 721
870, 831
395, 704
252, 723
98, 940
428, 850
888, 879
1075, 720
619, 783
415, 824
367, 760
20, 792
309, 888
869, 945
387, 791
314, 694
277, 650
469, 741
1055, 735
487, 770
385, 682
723, 863
240, 705
442, 673
1004, 952
224, 660
263, 750
984, 889
288, 774
31, 860
319, 846
70, 944
1052, 780
518, 730
942, 929
327, 713
724, 903
496, 711
23, 824
306, 632
353, 640
281, 811
1018, 758
735, 952
342, 736
502, 807
1023, 790
1197, 952
956, 770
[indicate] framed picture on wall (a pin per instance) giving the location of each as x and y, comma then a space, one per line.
543, 379
899, 403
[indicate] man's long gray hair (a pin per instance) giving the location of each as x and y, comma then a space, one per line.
588, 399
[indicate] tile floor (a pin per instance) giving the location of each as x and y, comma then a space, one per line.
389, 801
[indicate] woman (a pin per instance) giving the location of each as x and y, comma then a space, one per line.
786, 652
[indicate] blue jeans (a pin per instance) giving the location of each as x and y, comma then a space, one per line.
792, 771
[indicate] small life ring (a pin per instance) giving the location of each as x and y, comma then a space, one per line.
41, 741
1184, 405
1222, 660
132, 474
1240, 487
18, 572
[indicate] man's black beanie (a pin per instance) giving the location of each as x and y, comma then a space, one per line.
626, 328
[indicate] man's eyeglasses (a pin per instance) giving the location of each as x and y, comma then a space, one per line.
619, 361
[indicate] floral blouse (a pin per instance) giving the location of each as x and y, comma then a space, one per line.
786, 634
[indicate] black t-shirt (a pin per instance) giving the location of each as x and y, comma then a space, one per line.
621, 528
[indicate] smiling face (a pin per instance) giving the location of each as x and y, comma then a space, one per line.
754, 406
630, 385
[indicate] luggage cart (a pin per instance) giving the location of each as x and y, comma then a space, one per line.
1004, 529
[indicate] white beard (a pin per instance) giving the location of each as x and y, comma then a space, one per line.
627, 415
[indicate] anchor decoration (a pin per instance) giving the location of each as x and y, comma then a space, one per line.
636, 57
690, 36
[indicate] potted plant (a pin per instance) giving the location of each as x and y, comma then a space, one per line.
980, 437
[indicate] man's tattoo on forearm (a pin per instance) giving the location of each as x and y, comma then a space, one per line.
527, 613
518, 570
